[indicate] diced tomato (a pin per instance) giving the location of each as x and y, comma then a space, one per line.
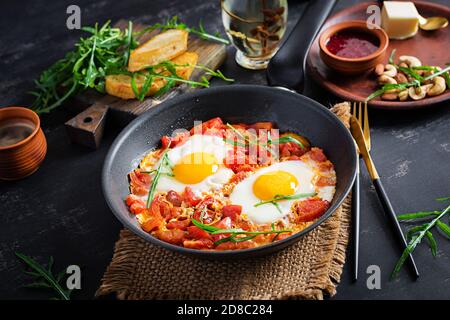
289, 149
175, 212
262, 125
205, 210
244, 225
215, 123
225, 223
326, 181
226, 246
236, 245
198, 244
179, 224
179, 139
175, 198
204, 215
310, 209
139, 182
190, 197
174, 236
317, 154
134, 200
232, 211
161, 207
246, 244
152, 222
137, 208
195, 232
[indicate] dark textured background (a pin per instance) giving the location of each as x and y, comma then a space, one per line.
60, 210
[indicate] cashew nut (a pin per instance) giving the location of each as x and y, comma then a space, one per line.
418, 93
384, 79
401, 78
403, 95
391, 71
403, 64
438, 86
389, 96
379, 69
410, 61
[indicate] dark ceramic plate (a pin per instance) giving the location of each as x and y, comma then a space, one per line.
236, 103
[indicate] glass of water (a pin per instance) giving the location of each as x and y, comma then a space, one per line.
255, 27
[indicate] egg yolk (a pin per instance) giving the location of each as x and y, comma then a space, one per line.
276, 183
195, 167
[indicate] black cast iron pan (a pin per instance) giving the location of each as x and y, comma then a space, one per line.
236, 103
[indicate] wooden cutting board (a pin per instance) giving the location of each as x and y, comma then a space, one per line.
88, 126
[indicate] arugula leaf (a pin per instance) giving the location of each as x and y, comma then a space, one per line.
443, 227
44, 277
162, 164
432, 243
391, 57
417, 238
280, 198
417, 215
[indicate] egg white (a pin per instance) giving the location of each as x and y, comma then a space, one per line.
198, 143
305, 174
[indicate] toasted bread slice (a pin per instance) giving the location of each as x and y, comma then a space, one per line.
120, 85
162, 47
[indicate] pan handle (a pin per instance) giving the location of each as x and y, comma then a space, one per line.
286, 69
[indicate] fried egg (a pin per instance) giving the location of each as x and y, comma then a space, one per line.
198, 163
288, 178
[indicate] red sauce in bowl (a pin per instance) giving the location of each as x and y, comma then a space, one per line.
353, 44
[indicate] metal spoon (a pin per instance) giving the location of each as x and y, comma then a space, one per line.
432, 23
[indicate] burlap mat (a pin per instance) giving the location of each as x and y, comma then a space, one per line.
309, 269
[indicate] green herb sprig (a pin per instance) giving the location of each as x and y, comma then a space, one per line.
164, 164
43, 276
278, 198
174, 23
105, 51
417, 81
234, 233
416, 234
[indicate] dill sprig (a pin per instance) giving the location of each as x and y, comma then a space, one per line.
43, 276
416, 234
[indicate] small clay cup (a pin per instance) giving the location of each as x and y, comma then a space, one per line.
23, 158
353, 65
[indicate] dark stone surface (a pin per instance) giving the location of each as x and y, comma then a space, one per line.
60, 210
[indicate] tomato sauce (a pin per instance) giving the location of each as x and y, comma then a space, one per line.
353, 44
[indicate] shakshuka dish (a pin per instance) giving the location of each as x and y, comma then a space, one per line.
222, 186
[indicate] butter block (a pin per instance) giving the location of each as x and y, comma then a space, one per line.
399, 19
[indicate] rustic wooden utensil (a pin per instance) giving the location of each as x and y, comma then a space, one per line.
88, 126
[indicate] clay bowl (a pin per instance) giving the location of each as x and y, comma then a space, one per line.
353, 65
23, 158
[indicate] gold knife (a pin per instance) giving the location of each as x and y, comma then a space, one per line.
357, 134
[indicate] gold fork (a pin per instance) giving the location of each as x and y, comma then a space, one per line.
356, 112
359, 126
